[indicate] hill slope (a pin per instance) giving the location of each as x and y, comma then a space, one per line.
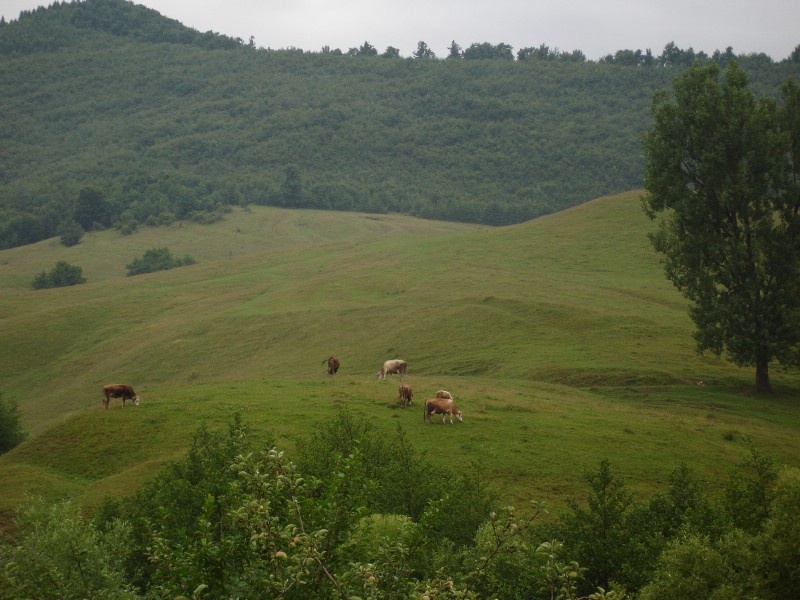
161, 122
560, 338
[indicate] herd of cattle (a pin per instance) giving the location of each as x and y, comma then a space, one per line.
442, 404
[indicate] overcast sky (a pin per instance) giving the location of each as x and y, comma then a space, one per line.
597, 27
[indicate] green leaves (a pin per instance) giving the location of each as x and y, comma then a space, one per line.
62, 274
157, 259
718, 180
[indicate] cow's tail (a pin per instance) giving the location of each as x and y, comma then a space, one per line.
326, 360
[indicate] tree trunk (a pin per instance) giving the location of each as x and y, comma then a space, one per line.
762, 376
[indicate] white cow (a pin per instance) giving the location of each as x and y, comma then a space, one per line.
394, 365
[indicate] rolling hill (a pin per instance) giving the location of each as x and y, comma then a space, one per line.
560, 339
156, 122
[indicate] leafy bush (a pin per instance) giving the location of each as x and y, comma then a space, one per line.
58, 554
350, 520
11, 434
240, 522
62, 275
71, 233
157, 259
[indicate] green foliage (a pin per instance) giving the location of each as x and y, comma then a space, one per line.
92, 210
157, 259
693, 567
250, 523
233, 520
399, 481
11, 432
597, 533
179, 505
62, 274
70, 233
292, 189
58, 554
482, 138
748, 494
722, 168
779, 544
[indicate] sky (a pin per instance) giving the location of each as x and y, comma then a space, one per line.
596, 27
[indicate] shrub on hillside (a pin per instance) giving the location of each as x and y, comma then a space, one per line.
157, 259
70, 233
11, 434
62, 274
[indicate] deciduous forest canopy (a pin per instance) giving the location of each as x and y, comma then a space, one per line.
153, 121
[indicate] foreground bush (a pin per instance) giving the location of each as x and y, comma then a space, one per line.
58, 554
356, 518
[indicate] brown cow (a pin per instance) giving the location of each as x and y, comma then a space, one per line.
333, 365
119, 390
406, 394
394, 365
441, 406
444, 394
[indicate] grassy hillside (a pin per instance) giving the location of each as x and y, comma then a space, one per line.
560, 339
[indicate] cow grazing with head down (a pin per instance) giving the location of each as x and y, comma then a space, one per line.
406, 394
441, 406
119, 390
333, 365
394, 365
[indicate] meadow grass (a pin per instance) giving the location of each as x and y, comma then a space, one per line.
560, 338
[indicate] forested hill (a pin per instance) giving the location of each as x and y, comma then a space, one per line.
114, 115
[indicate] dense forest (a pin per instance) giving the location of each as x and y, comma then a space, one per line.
114, 115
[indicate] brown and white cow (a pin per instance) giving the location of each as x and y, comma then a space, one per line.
394, 365
441, 406
119, 390
333, 365
406, 394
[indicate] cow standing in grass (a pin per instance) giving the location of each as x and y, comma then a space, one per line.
394, 365
333, 365
406, 394
441, 406
119, 390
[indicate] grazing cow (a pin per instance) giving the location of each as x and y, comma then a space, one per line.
405, 395
441, 406
333, 365
444, 394
394, 365
119, 390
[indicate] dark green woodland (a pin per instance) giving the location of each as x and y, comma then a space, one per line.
115, 116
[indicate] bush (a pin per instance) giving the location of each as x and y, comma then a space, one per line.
11, 434
71, 233
62, 275
57, 554
157, 259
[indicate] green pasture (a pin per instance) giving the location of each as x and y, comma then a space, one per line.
560, 339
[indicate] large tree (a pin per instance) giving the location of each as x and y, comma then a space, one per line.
721, 172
